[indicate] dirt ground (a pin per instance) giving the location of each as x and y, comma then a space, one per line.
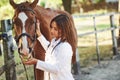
107, 70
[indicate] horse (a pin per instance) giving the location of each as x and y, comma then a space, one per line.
24, 22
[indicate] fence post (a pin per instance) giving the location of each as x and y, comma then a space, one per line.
96, 38
6, 26
115, 51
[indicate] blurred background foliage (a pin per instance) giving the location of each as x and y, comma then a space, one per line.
6, 10
77, 6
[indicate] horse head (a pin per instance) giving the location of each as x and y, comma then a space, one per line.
31, 5
24, 21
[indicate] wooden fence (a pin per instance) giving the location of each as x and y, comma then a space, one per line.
8, 46
112, 28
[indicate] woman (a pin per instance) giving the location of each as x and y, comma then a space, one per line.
59, 51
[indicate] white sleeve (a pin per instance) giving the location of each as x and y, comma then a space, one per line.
63, 61
43, 42
46, 67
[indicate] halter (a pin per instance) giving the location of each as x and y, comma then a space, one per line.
33, 39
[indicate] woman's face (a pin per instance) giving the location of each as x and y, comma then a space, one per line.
55, 32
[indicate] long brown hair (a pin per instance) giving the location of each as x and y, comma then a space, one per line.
67, 32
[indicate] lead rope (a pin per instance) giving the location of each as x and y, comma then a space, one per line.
25, 69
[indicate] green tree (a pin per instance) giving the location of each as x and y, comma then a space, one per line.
3, 2
6, 10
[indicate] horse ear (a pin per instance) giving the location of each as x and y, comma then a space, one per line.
33, 5
13, 4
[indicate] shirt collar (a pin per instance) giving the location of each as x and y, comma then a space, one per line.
55, 42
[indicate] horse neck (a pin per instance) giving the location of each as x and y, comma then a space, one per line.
46, 14
44, 18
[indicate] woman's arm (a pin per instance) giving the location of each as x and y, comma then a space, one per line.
41, 38
62, 61
43, 42
63, 58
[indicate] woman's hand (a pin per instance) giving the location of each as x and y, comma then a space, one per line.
31, 61
28, 59
38, 29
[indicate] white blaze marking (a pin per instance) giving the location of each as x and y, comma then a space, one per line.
22, 16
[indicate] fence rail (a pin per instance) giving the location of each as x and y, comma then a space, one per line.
112, 28
98, 31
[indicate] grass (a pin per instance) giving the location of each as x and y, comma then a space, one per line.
88, 55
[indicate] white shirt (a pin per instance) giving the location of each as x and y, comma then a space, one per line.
57, 65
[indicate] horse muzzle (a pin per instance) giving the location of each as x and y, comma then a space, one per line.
22, 49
